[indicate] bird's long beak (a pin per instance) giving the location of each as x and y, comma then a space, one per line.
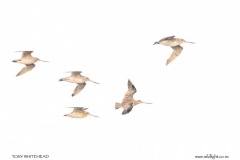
93, 81
92, 115
189, 42
155, 43
146, 103
43, 60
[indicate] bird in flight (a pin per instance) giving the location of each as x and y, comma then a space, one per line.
174, 43
79, 112
77, 78
128, 101
28, 60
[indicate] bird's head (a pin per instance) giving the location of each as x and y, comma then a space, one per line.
88, 79
37, 59
183, 41
139, 102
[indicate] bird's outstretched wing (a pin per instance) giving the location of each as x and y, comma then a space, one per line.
127, 108
176, 52
78, 89
75, 73
28, 67
131, 89
26, 53
167, 38
77, 109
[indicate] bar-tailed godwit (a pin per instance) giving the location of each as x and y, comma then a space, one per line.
28, 60
79, 112
128, 101
77, 78
174, 43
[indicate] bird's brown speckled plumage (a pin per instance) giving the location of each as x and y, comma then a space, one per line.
174, 43
128, 101
28, 60
79, 112
77, 78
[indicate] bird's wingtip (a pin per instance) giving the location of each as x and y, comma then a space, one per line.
124, 112
73, 71
24, 51
167, 63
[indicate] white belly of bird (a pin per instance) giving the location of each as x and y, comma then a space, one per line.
27, 61
76, 80
170, 43
79, 115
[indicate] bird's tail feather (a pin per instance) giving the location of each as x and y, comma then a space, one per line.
117, 105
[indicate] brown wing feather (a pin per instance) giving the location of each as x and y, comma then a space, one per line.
167, 38
28, 67
176, 52
78, 109
131, 89
26, 54
78, 89
127, 108
76, 74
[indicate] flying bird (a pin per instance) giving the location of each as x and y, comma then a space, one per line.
128, 101
28, 60
174, 43
79, 112
77, 78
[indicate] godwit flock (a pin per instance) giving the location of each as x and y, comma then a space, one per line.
128, 101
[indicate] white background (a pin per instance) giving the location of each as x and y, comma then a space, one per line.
195, 98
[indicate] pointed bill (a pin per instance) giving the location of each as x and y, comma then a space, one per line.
42, 60
93, 115
93, 81
189, 42
146, 103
